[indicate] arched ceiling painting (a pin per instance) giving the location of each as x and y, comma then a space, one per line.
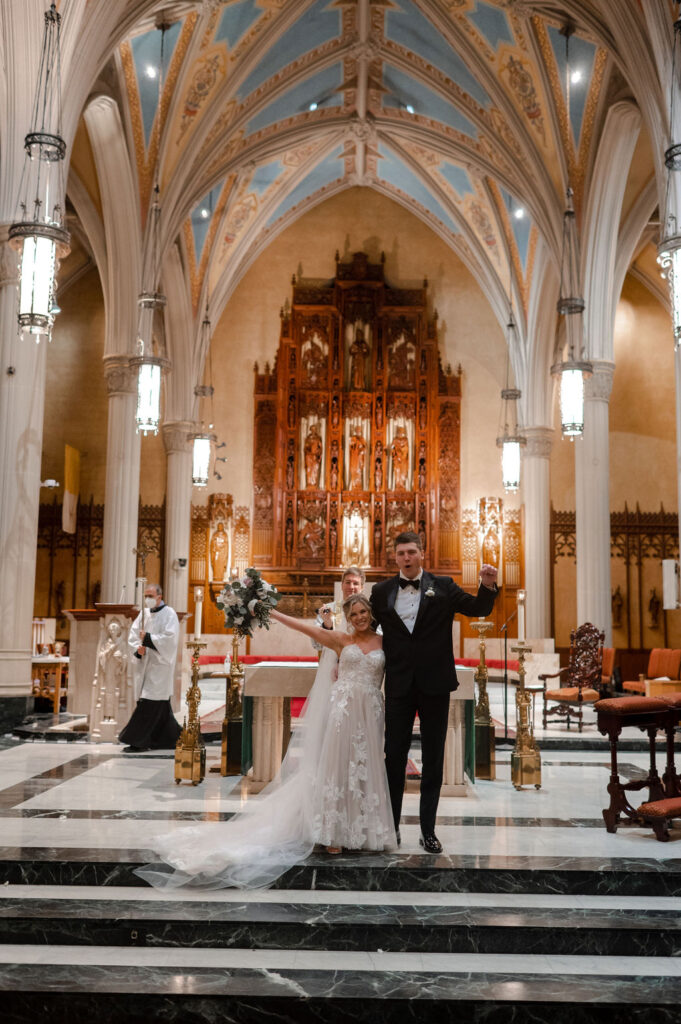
455, 108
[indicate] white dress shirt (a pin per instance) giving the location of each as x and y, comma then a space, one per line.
407, 602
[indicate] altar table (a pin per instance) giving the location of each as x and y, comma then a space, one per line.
273, 684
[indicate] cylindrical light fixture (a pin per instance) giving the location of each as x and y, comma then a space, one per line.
573, 369
510, 441
39, 236
150, 367
202, 451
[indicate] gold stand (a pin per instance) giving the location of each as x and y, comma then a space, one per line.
485, 754
190, 753
230, 765
525, 758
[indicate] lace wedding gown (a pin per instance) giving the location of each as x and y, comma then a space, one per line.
332, 789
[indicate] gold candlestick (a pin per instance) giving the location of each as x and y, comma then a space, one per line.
485, 752
230, 757
525, 758
190, 752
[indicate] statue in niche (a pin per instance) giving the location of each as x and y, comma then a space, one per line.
109, 682
357, 455
654, 608
314, 361
400, 365
359, 353
291, 410
491, 545
422, 466
311, 537
378, 541
335, 411
423, 413
333, 472
290, 472
399, 453
379, 411
219, 552
378, 466
617, 604
288, 536
313, 456
333, 540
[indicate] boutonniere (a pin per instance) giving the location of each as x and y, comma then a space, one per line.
430, 592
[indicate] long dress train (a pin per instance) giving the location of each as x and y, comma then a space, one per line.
332, 789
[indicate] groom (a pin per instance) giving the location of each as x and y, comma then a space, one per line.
416, 611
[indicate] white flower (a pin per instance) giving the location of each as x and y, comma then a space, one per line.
238, 619
430, 592
251, 606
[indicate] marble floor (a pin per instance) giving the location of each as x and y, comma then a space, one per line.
533, 913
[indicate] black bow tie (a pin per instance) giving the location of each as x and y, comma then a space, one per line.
416, 584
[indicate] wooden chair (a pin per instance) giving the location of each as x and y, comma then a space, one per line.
581, 680
607, 669
662, 663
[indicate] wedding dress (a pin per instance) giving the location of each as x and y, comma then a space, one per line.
332, 789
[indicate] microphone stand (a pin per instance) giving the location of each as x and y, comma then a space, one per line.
504, 630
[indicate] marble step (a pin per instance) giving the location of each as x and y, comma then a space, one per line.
68, 983
379, 872
453, 925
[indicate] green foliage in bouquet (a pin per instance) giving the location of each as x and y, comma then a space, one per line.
247, 603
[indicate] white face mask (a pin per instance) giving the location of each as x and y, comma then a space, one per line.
149, 602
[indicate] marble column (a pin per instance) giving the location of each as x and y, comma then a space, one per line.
121, 501
176, 437
22, 400
536, 498
592, 499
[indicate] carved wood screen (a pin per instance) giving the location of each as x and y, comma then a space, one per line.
357, 429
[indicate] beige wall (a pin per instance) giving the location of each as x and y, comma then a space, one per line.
360, 219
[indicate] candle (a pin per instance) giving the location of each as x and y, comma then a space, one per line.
521, 616
198, 607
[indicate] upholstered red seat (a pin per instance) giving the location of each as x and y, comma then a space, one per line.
630, 705
607, 666
667, 808
571, 693
672, 700
662, 663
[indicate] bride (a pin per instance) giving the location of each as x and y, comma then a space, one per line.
332, 788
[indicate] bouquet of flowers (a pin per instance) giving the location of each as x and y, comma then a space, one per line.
247, 603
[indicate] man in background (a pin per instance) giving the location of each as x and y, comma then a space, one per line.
153, 638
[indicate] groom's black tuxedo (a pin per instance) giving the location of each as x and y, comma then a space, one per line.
425, 657
419, 675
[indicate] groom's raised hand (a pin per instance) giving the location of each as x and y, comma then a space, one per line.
488, 576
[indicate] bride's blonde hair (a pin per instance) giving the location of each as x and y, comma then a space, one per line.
361, 600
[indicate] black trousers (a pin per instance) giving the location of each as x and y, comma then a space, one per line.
400, 712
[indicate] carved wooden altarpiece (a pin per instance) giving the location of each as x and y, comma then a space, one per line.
357, 432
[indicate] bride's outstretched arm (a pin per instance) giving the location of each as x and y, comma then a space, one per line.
326, 637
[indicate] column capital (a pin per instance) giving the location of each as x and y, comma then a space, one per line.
9, 260
598, 386
539, 442
121, 378
176, 435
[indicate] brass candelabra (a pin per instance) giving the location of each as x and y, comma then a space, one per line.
230, 758
526, 757
190, 752
485, 756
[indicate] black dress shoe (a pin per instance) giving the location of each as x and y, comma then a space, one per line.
135, 750
431, 843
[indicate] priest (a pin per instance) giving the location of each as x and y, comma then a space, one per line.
153, 640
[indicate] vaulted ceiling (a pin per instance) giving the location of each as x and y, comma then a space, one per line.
248, 112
